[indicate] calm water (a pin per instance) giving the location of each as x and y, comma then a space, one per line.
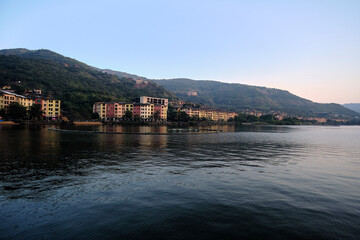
255, 182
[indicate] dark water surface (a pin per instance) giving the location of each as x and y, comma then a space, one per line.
254, 182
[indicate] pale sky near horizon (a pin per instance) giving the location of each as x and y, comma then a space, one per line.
310, 48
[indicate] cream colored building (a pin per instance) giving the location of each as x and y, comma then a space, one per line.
161, 101
209, 114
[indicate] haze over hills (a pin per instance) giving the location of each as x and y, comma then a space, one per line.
80, 86
353, 106
237, 97
240, 96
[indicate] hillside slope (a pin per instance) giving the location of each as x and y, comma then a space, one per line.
237, 97
78, 85
353, 106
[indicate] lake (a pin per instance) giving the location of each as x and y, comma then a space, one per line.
254, 182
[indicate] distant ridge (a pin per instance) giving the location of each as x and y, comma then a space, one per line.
122, 74
237, 97
353, 106
80, 85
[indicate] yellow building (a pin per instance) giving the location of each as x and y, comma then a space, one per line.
51, 108
26, 102
7, 98
1, 101
100, 108
129, 107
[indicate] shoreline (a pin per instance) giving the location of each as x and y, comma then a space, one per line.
9, 123
169, 124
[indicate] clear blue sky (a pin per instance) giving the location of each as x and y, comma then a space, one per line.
311, 48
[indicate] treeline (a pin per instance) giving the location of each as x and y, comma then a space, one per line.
17, 112
270, 119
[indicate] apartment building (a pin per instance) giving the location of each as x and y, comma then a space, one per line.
160, 101
51, 108
7, 98
210, 114
144, 109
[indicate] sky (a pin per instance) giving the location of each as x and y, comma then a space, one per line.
310, 48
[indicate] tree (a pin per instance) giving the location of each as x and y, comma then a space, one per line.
172, 113
16, 111
183, 116
157, 115
35, 111
128, 114
95, 115
2, 113
268, 118
137, 118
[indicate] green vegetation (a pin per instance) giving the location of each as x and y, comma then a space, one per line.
269, 119
157, 115
16, 111
78, 85
35, 111
128, 115
237, 97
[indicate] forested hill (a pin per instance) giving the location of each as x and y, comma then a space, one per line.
237, 97
78, 85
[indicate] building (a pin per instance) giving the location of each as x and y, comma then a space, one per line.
192, 93
143, 110
7, 98
147, 108
100, 108
160, 111
161, 101
209, 114
51, 108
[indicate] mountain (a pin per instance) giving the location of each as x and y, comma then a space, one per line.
353, 106
78, 85
237, 97
122, 74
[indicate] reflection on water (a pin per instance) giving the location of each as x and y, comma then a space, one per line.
249, 181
